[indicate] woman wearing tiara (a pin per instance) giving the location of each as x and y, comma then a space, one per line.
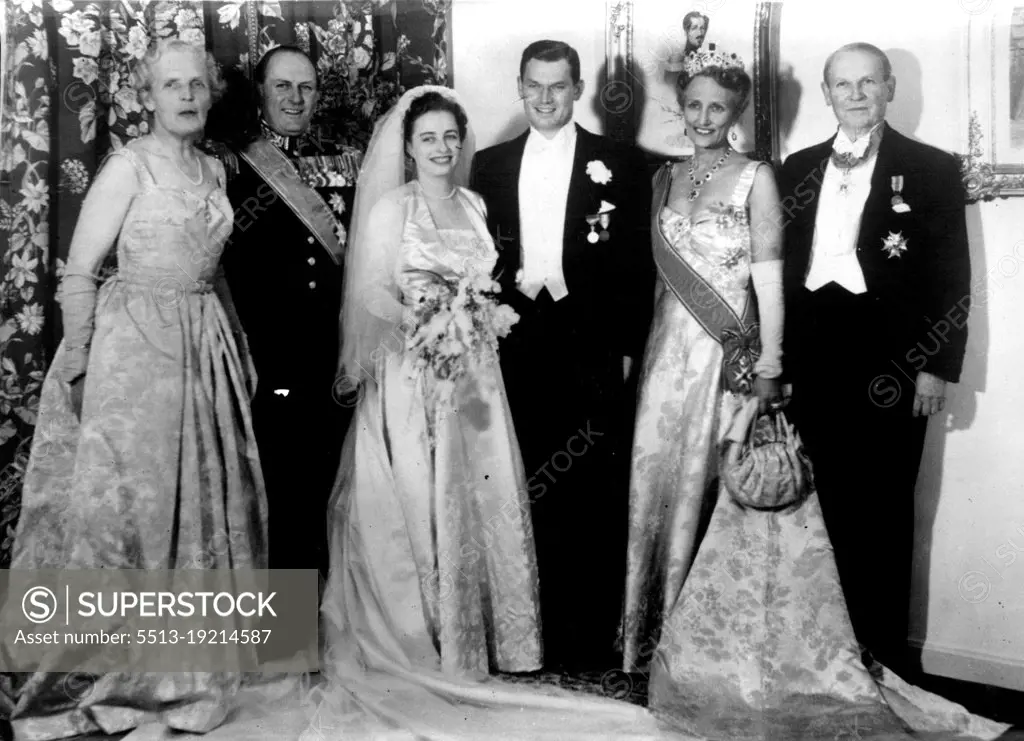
736, 613
433, 577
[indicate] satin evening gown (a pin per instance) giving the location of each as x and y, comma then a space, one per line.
738, 615
433, 580
162, 470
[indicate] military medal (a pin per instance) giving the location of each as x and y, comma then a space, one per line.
592, 221
605, 220
898, 204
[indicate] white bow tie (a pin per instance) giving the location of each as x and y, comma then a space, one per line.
843, 145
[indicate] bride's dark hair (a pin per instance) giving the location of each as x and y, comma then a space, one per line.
734, 79
431, 103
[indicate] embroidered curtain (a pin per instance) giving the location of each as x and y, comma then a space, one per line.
67, 101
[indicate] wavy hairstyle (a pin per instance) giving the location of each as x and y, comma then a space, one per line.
143, 75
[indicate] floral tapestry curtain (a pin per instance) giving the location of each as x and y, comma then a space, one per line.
67, 101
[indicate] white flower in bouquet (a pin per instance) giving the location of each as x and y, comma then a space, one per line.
503, 318
481, 282
454, 324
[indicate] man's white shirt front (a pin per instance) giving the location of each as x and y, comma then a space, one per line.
837, 226
544, 178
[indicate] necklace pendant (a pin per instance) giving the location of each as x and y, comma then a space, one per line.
692, 197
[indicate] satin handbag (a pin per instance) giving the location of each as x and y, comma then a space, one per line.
763, 464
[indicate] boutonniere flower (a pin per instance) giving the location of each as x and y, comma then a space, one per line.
602, 217
898, 204
895, 244
599, 172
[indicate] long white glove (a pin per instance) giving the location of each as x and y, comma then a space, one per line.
767, 278
77, 296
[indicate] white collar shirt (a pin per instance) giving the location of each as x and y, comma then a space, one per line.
544, 177
837, 227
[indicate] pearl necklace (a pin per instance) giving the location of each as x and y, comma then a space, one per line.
180, 166
450, 195
198, 182
707, 177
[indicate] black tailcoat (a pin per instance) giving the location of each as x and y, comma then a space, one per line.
563, 370
854, 359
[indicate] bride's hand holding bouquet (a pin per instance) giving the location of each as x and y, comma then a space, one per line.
455, 324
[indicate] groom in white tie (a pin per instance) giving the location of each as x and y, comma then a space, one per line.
570, 214
878, 291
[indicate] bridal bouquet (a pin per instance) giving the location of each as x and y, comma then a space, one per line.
454, 324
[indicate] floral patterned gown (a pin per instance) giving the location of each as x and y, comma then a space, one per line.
162, 471
742, 626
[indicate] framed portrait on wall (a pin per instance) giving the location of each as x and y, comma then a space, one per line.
648, 45
994, 162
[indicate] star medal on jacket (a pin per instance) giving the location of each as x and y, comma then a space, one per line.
602, 217
898, 204
895, 244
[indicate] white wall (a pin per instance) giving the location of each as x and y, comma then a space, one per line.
969, 586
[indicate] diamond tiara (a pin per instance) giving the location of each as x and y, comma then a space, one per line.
696, 61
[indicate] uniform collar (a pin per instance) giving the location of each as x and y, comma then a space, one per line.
287, 144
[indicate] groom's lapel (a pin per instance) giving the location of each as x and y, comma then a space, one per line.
581, 195
509, 230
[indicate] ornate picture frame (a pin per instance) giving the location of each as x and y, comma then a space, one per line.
645, 43
993, 165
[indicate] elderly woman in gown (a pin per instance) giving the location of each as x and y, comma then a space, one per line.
143, 455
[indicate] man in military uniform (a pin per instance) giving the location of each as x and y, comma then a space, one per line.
284, 268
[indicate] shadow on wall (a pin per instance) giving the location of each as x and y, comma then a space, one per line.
789, 95
904, 113
618, 103
959, 415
